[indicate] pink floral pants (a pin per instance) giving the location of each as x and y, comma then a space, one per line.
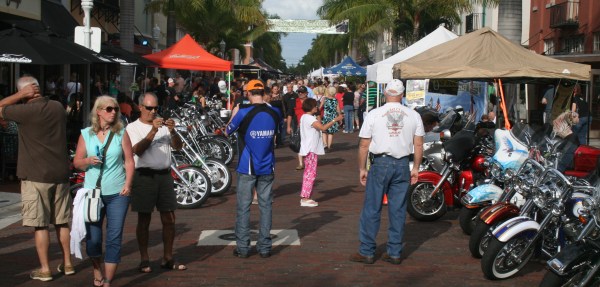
310, 174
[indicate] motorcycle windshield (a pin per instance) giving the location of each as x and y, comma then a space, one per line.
447, 121
460, 145
522, 133
510, 152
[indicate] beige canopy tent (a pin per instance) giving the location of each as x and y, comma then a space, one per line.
485, 54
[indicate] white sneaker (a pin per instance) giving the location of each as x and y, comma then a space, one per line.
308, 203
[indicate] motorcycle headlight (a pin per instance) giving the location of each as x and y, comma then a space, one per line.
495, 170
542, 196
508, 174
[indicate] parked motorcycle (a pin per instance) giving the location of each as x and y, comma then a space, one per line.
511, 152
433, 192
553, 224
511, 204
579, 264
219, 174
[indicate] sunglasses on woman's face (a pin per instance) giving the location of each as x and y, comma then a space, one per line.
111, 109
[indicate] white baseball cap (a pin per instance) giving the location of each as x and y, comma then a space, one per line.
344, 86
394, 88
222, 86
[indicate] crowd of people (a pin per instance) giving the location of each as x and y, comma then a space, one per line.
127, 157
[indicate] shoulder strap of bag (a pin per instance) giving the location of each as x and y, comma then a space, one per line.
250, 115
99, 181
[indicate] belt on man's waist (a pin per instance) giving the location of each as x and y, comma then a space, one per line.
149, 171
378, 155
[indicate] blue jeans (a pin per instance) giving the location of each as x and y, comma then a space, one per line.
349, 118
581, 129
115, 210
263, 184
389, 176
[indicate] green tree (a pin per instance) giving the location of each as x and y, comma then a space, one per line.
209, 21
408, 20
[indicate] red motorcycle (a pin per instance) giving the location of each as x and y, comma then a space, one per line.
429, 198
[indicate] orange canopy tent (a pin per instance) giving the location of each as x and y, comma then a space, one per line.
188, 55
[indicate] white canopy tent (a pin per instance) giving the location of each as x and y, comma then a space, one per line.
382, 72
319, 74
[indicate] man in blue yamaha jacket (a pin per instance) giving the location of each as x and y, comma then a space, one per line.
256, 126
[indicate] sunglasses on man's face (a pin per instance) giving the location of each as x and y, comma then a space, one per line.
111, 109
149, 108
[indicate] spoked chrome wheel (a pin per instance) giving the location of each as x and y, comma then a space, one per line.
504, 259
220, 176
423, 207
196, 191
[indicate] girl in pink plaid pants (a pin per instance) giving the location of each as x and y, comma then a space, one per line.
311, 146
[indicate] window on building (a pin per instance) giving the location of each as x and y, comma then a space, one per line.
573, 45
549, 47
597, 42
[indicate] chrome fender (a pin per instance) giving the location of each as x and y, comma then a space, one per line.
514, 226
482, 193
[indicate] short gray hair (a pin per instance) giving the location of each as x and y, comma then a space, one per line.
143, 96
24, 81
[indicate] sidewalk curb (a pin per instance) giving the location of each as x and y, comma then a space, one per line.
10, 208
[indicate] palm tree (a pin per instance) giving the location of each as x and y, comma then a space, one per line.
408, 20
127, 9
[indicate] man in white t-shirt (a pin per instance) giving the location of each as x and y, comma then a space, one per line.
152, 138
389, 132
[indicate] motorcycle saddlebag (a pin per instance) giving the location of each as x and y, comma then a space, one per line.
585, 158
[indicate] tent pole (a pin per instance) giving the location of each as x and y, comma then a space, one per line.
503, 106
229, 91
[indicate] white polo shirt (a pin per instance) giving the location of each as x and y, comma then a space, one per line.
158, 154
392, 128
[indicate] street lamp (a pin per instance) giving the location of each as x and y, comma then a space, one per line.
87, 6
222, 46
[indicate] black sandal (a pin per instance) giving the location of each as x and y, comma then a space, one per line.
101, 281
173, 265
145, 267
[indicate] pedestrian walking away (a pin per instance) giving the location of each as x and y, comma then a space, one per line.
331, 109
389, 132
256, 126
152, 138
43, 170
582, 108
311, 147
114, 165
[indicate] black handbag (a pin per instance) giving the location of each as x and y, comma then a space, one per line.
295, 140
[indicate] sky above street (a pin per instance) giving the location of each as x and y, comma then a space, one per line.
294, 45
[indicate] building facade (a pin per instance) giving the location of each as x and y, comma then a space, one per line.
569, 30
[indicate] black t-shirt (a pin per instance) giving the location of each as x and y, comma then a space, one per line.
289, 102
583, 109
348, 99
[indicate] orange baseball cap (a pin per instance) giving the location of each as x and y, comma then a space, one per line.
255, 85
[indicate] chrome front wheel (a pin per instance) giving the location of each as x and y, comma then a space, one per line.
421, 206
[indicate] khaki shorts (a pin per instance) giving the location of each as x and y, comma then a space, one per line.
45, 203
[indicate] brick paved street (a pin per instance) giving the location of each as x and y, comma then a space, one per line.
436, 253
